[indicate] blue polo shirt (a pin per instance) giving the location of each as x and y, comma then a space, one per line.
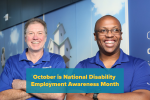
136, 71
15, 68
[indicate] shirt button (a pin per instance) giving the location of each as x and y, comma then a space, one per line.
32, 66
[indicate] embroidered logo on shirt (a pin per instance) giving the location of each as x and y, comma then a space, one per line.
47, 67
148, 83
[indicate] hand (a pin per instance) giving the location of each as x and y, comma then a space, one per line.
90, 95
19, 84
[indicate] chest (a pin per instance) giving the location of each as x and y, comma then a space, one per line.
128, 74
19, 69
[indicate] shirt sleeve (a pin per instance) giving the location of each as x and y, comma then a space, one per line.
59, 62
79, 65
6, 77
141, 78
78, 71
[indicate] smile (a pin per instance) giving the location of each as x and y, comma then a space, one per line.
35, 42
109, 42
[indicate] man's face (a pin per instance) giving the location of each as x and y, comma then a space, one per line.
35, 37
109, 43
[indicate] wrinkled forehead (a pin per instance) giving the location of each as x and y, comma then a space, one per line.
35, 22
35, 25
107, 21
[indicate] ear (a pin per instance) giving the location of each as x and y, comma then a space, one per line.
121, 35
46, 38
25, 38
95, 36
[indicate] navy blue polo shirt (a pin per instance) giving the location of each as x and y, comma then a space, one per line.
15, 67
136, 71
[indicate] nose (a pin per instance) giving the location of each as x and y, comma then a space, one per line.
109, 33
35, 37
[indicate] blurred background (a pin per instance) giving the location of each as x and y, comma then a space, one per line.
70, 25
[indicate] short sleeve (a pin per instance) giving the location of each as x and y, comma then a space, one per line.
6, 77
78, 71
141, 78
79, 65
59, 62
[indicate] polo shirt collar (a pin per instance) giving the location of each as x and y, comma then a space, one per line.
45, 57
122, 58
23, 56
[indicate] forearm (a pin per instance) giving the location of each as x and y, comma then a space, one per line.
58, 96
21, 85
13, 94
77, 96
123, 96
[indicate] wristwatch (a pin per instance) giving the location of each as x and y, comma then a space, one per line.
95, 96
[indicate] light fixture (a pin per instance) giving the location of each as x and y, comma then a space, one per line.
6, 17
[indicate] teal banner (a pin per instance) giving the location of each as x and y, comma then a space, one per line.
79, 80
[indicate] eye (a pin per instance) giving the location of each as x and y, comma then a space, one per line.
115, 30
30, 33
103, 30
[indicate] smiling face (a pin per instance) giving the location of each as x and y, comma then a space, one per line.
35, 37
109, 43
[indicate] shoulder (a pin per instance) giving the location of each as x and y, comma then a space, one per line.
14, 58
136, 61
57, 61
130, 59
88, 60
84, 63
55, 56
138, 64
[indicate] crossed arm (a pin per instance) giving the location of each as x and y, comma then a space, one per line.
19, 93
135, 95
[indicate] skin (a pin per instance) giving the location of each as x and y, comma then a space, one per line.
35, 38
109, 53
109, 23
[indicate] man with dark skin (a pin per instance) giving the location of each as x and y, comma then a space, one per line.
108, 36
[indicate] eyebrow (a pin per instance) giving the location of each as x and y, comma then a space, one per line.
107, 28
37, 31
112, 27
40, 31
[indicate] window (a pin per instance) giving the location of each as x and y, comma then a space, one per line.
66, 49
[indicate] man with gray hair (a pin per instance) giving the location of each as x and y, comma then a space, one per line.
13, 77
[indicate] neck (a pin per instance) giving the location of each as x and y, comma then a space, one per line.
34, 56
109, 59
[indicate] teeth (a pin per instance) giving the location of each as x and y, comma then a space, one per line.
109, 42
35, 42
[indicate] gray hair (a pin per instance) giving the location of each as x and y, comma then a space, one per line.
35, 20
